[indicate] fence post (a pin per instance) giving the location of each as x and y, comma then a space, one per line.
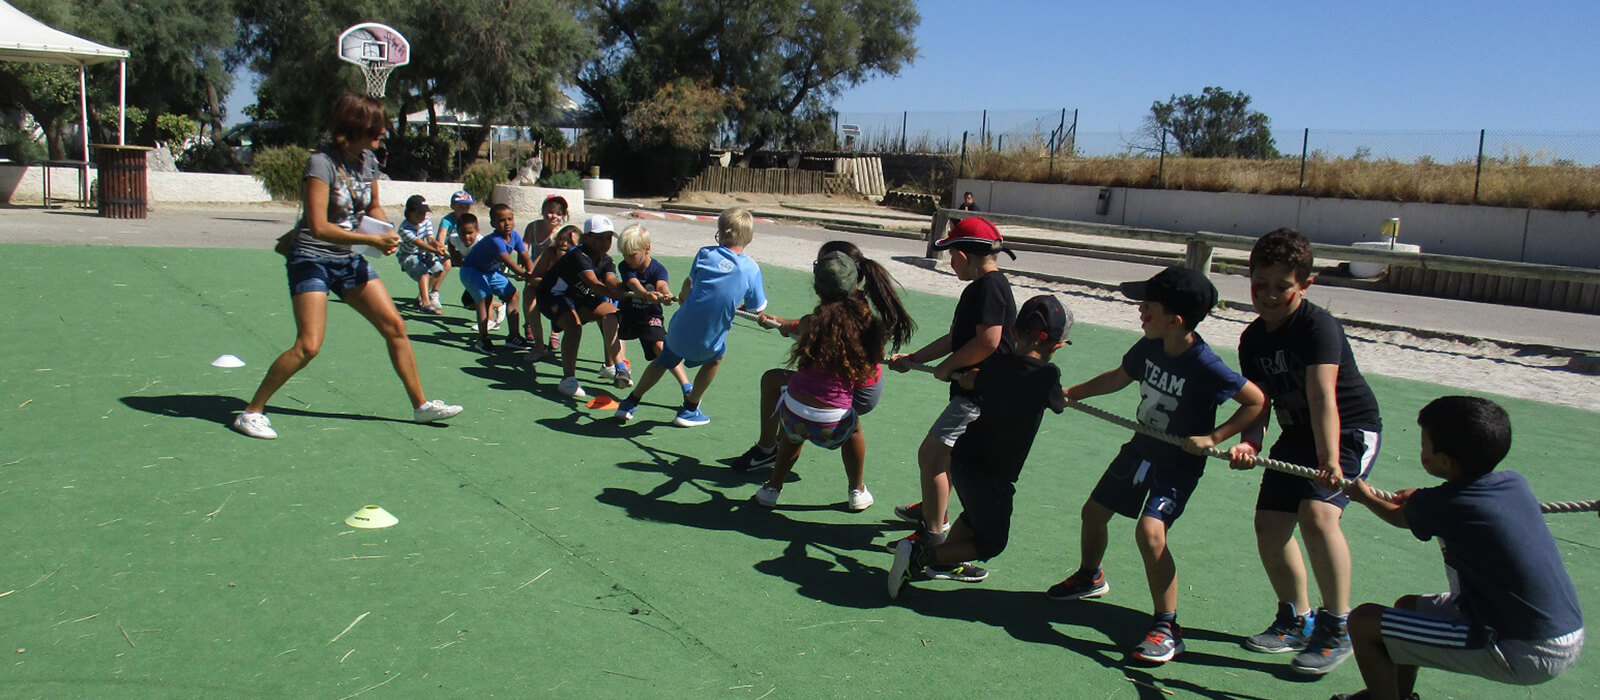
1305, 139
1055, 143
983, 130
962, 171
941, 224
1477, 179
1198, 256
1000, 144
903, 116
1161, 166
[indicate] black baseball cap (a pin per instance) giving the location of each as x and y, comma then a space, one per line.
416, 202
1180, 290
1056, 319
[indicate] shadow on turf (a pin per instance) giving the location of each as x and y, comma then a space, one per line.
222, 409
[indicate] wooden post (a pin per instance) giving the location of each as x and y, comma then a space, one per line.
1198, 256
941, 225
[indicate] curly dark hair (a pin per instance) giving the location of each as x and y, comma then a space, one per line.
843, 337
1283, 246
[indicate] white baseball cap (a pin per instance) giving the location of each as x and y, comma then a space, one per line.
599, 223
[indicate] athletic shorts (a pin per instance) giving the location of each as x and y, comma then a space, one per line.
866, 398
1280, 492
669, 359
421, 265
822, 427
482, 285
337, 275
1439, 635
951, 423
1136, 487
985, 506
645, 328
557, 305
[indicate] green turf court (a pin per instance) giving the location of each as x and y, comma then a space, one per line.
544, 550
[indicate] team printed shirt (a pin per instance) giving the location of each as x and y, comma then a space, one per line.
649, 276
410, 233
720, 280
986, 301
1499, 552
1178, 395
1015, 391
485, 254
569, 270
1277, 360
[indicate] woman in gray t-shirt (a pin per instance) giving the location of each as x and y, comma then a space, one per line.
341, 187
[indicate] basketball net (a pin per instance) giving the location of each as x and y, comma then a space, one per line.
377, 76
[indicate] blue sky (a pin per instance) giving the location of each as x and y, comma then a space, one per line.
1340, 64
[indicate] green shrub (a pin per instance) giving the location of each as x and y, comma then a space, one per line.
177, 131
282, 170
481, 178
208, 156
565, 180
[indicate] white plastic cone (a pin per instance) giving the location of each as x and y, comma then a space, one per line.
371, 518
228, 361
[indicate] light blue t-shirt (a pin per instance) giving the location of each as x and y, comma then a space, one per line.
720, 280
485, 254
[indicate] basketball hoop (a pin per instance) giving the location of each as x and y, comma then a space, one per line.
377, 49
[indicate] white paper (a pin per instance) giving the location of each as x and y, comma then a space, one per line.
373, 227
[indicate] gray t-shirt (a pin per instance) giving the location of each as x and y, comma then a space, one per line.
349, 196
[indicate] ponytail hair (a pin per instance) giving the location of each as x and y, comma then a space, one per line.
880, 289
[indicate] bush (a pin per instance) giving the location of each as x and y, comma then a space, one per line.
209, 156
564, 180
481, 178
282, 170
177, 131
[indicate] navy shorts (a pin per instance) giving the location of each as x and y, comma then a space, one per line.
645, 328
1136, 487
985, 506
337, 275
1280, 492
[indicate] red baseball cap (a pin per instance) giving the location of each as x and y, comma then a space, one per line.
974, 232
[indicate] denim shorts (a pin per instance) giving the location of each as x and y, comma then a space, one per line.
421, 265
337, 275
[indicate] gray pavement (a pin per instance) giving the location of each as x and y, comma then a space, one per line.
255, 226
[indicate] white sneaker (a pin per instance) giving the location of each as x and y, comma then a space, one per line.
768, 496
860, 499
608, 373
500, 315
255, 425
434, 410
433, 298
569, 387
492, 325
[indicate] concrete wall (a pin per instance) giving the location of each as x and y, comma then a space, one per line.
526, 202
203, 187
1496, 233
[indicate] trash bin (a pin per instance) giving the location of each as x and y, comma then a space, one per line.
122, 192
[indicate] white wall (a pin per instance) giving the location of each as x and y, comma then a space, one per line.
1496, 233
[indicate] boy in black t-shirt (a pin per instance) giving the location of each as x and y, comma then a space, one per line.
1298, 354
979, 329
988, 457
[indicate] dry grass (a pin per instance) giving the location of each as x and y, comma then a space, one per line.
1505, 183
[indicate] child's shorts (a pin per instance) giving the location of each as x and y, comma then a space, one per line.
985, 506
555, 306
1136, 487
823, 427
421, 265
482, 285
670, 358
644, 327
1280, 492
338, 275
953, 422
1438, 634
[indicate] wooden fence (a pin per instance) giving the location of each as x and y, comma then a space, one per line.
770, 180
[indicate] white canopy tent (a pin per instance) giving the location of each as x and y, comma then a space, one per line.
27, 40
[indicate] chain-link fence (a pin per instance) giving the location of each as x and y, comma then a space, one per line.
948, 132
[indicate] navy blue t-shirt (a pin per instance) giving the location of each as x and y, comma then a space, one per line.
1015, 390
1178, 395
1506, 564
570, 269
986, 301
649, 276
1277, 360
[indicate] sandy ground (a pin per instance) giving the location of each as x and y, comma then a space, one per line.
1482, 367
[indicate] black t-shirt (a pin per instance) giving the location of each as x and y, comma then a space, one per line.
570, 269
1277, 360
968, 207
986, 301
1015, 390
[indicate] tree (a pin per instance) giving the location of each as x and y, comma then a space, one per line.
775, 63
1214, 124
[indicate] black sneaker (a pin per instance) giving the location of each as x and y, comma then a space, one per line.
1328, 647
1288, 632
483, 345
966, 572
1077, 586
1161, 643
756, 458
517, 342
913, 514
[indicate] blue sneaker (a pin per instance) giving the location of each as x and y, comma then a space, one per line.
1289, 632
689, 418
625, 409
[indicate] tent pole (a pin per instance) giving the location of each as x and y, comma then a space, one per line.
83, 114
122, 102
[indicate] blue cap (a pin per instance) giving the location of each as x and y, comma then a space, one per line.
462, 197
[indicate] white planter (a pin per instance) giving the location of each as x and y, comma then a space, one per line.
1364, 270
597, 188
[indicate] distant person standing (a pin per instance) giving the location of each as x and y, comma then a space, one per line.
967, 204
341, 186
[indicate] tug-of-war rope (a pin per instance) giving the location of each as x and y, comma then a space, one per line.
1265, 462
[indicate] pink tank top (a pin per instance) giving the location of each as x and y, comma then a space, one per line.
829, 388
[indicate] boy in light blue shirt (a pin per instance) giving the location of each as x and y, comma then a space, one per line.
721, 280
